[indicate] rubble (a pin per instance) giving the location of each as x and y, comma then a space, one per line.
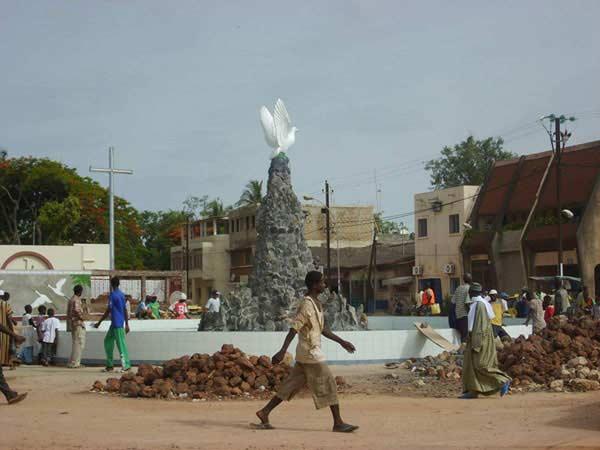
446, 365
227, 373
566, 350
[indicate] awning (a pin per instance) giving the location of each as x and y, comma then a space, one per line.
397, 281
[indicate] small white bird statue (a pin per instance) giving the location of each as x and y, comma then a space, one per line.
41, 300
59, 287
279, 132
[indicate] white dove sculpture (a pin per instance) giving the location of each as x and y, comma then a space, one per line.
59, 287
41, 300
278, 129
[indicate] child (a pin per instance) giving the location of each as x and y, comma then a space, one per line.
26, 353
37, 324
548, 308
180, 309
50, 332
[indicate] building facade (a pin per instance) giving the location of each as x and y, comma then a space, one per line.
515, 233
55, 257
439, 229
221, 251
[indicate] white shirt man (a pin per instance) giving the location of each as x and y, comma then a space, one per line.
214, 303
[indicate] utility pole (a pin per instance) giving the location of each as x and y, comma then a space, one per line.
328, 230
187, 256
558, 141
558, 151
111, 171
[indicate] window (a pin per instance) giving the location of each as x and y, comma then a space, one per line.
253, 222
454, 283
237, 225
454, 224
247, 223
422, 228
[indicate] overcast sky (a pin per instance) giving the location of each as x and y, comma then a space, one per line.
374, 86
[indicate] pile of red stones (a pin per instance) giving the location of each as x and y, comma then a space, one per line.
228, 373
565, 356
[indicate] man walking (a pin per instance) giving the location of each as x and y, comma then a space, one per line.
310, 368
119, 327
481, 374
12, 397
460, 299
76, 326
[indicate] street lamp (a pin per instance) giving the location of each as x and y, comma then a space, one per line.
403, 233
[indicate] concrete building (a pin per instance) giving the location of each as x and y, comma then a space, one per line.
391, 274
221, 251
54, 257
439, 231
515, 225
208, 264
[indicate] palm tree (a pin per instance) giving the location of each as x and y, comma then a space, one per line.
214, 209
252, 194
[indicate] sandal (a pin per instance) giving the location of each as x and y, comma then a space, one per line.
345, 428
17, 399
262, 426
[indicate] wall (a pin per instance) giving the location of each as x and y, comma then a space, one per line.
588, 239
151, 344
440, 247
355, 225
57, 257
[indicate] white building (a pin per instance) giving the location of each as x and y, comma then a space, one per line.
55, 257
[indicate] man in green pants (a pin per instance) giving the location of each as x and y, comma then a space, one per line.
119, 327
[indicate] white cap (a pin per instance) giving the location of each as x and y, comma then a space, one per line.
217, 293
493, 292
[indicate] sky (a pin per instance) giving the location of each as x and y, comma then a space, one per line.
376, 88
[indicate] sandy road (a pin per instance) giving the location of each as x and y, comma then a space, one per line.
60, 414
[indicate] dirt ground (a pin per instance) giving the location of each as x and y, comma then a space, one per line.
60, 413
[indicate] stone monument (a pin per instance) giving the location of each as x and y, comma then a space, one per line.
282, 257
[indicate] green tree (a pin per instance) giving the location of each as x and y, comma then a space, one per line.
466, 163
385, 226
252, 195
194, 206
161, 230
57, 219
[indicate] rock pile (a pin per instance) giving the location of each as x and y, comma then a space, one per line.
445, 366
227, 373
565, 356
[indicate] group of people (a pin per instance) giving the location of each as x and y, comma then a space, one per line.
560, 302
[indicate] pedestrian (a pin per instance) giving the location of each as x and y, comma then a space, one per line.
497, 321
28, 332
154, 307
460, 300
141, 311
6, 319
561, 298
481, 374
310, 368
596, 309
50, 337
37, 324
11, 396
213, 305
180, 308
535, 313
76, 326
119, 327
584, 301
522, 305
548, 308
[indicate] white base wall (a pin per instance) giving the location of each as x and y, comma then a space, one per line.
157, 341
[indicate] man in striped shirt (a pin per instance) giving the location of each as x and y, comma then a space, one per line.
460, 299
